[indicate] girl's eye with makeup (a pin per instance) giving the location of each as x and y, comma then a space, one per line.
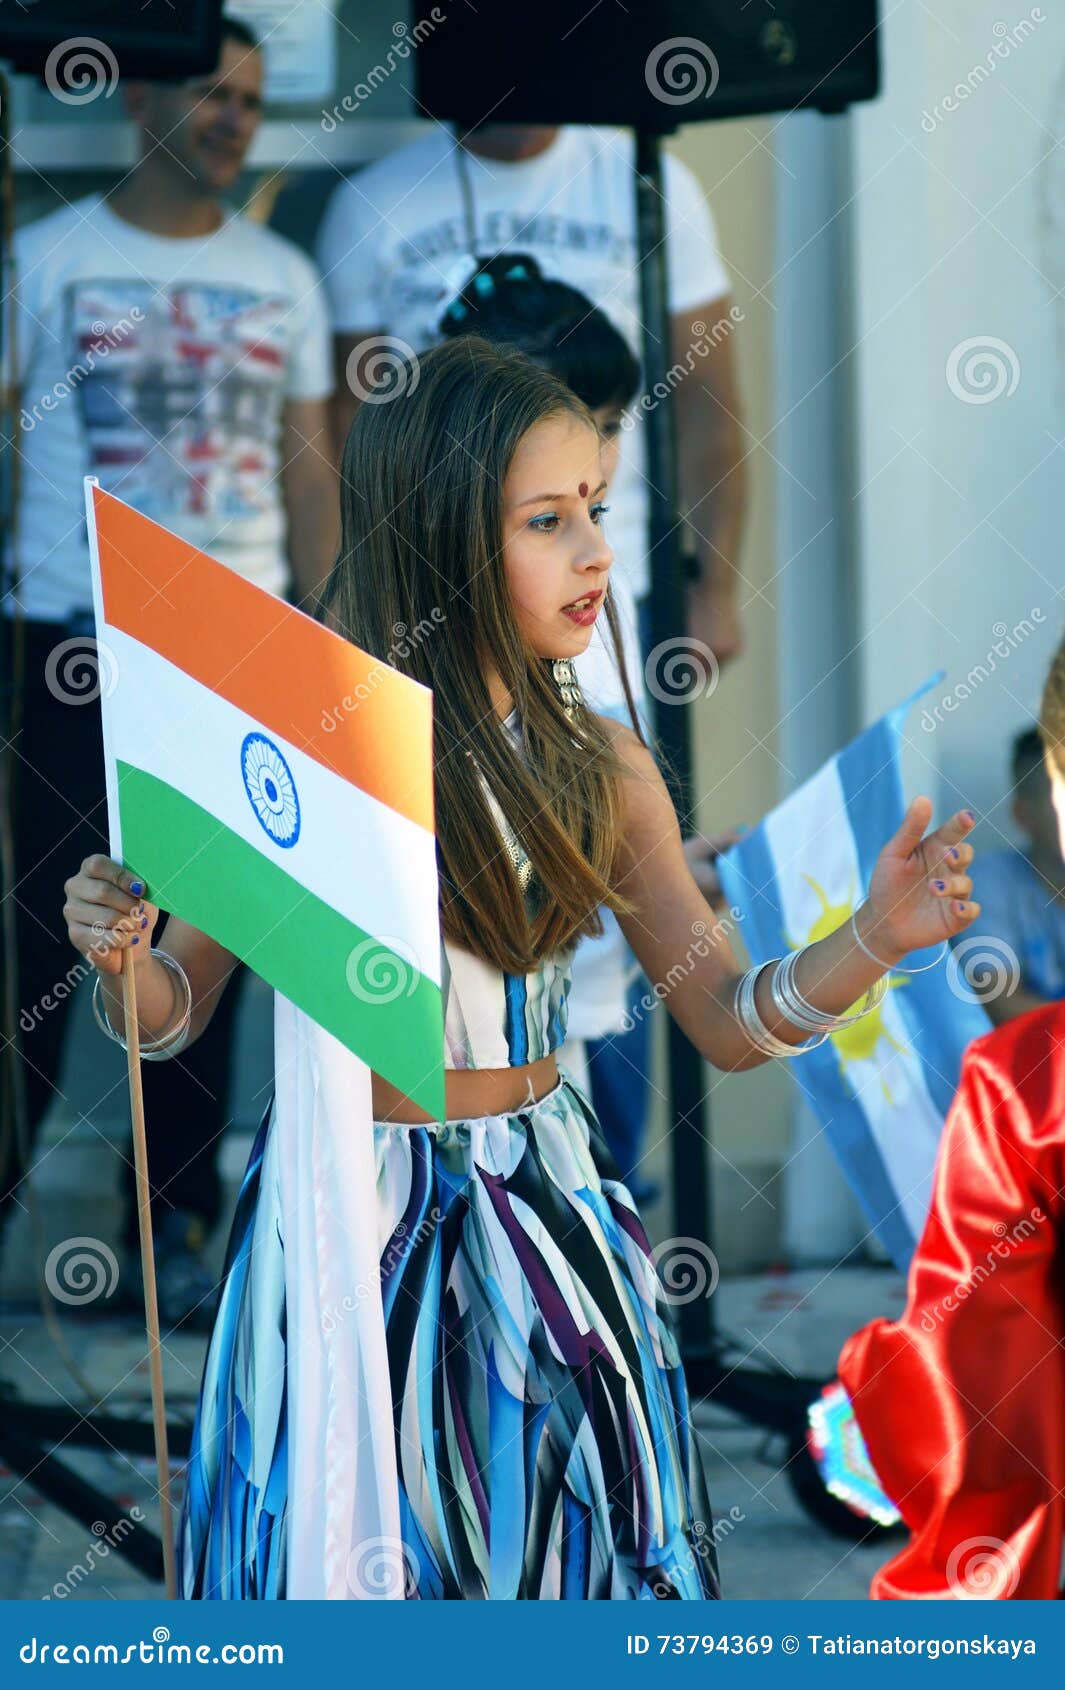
545, 524
598, 511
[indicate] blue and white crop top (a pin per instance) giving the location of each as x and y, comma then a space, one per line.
498, 1020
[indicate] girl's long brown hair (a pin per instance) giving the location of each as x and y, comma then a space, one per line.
419, 582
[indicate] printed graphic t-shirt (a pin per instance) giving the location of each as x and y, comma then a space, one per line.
394, 248
161, 365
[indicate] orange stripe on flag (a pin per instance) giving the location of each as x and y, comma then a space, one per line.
269, 659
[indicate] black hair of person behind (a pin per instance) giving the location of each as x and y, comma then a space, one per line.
508, 298
1026, 753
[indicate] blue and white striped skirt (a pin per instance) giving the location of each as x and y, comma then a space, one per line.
543, 1441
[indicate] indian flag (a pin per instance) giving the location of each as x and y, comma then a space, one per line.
272, 784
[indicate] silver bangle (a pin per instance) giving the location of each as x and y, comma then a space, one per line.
169, 1043
746, 1013
792, 1006
893, 967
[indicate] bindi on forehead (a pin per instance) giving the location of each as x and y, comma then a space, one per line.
583, 489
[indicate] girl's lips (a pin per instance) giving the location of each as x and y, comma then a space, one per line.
588, 612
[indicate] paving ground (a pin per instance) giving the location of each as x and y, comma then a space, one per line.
796, 1321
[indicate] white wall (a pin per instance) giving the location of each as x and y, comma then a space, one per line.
960, 503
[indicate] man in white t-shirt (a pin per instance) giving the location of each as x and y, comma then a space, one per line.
179, 352
398, 242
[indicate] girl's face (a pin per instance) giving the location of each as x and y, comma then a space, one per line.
555, 551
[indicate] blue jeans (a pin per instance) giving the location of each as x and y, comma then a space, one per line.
619, 1075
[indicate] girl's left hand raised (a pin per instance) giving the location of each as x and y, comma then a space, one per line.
919, 893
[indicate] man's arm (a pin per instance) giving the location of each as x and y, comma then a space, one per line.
309, 492
711, 469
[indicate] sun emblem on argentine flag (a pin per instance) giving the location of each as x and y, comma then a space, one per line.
269, 784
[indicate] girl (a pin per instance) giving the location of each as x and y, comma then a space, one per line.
543, 1441
508, 300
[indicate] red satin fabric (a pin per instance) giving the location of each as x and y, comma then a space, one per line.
962, 1401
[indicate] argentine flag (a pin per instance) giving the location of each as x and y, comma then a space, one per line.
882, 1087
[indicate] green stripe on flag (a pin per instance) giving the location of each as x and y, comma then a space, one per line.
374, 1000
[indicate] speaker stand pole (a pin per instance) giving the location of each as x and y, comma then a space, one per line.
772, 1399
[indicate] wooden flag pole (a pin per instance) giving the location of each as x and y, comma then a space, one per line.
151, 1306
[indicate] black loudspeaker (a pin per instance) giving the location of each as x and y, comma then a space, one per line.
643, 64
75, 43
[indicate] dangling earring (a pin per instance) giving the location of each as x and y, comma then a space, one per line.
568, 685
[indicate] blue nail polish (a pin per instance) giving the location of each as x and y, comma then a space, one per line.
940, 885
953, 852
137, 887
136, 938
144, 923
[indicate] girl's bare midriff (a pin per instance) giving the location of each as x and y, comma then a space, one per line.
471, 1091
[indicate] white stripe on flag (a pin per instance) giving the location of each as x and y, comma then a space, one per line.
188, 736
